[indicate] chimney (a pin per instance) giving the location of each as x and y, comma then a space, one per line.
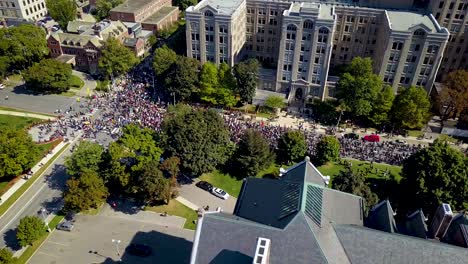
262, 252
441, 221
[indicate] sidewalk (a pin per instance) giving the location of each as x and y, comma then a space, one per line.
34, 169
187, 203
13, 113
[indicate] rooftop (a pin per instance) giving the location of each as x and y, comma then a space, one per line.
221, 6
157, 17
405, 21
131, 6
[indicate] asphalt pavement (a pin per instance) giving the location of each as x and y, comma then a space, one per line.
18, 98
46, 193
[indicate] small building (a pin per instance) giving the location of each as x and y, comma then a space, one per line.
153, 15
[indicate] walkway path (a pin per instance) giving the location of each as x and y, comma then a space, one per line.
89, 83
14, 113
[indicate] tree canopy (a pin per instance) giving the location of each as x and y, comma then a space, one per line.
246, 73
354, 182
183, 4
163, 59
253, 154
182, 78
453, 99
30, 229
116, 59
153, 186
411, 108
22, 46
382, 106
48, 76
62, 11
328, 149
358, 87
434, 175
275, 102
199, 138
17, 152
291, 146
84, 192
6, 256
86, 157
103, 8
208, 82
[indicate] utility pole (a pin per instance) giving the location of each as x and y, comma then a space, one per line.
117, 243
43, 210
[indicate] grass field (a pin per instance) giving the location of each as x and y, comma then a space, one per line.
231, 184
29, 252
415, 133
333, 168
17, 122
176, 208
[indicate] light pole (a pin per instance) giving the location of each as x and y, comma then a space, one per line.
117, 242
43, 210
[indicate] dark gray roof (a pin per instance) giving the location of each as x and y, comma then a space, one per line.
304, 171
269, 202
368, 246
454, 232
229, 239
415, 225
381, 218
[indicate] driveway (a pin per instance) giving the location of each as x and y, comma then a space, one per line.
91, 242
203, 198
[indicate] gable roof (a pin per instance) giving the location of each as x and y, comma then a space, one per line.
381, 218
415, 225
304, 171
229, 239
457, 230
368, 246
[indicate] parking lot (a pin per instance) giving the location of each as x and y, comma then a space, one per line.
202, 198
91, 242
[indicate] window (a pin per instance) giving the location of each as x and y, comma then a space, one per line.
308, 24
222, 29
419, 32
209, 28
397, 46
451, 5
208, 13
441, 4
432, 49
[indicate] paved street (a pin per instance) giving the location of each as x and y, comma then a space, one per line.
35, 103
202, 198
46, 192
91, 242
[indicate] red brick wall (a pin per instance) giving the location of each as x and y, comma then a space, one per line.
54, 47
125, 17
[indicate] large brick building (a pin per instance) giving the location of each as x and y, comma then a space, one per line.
153, 15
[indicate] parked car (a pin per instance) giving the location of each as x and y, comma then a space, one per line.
401, 141
204, 185
2, 86
65, 226
351, 135
371, 138
139, 250
220, 193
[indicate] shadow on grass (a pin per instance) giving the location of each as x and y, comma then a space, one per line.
10, 240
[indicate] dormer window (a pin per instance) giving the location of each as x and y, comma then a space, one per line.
209, 13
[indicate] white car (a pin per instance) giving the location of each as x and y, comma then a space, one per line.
2, 86
220, 193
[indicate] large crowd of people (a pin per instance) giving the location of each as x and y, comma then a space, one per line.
131, 101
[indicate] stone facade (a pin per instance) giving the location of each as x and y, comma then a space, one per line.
31, 10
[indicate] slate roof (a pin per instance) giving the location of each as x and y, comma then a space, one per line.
455, 232
368, 246
229, 239
415, 225
381, 218
304, 171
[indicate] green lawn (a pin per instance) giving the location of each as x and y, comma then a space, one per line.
447, 138
232, 185
333, 168
17, 122
415, 133
176, 208
29, 252
22, 111
76, 82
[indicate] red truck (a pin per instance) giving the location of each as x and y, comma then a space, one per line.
371, 138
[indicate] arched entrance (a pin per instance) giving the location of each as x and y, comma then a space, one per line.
299, 94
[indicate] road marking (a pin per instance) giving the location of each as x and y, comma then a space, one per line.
57, 243
43, 253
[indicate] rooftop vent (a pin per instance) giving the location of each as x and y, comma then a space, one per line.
262, 252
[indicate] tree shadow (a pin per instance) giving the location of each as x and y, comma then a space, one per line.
124, 204
53, 205
57, 178
184, 179
10, 240
165, 248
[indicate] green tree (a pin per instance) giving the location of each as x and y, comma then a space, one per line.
84, 192
153, 186
103, 8
4, 66
225, 94
17, 152
382, 106
23, 45
411, 108
116, 59
291, 146
163, 59
208, 83
182, 79
199, 138
116, 174
253, 154
86, 157
275, 102
246, 73
6, 256
328, 149
62, 11
434, 175
30, 229
453, 99
183, 4
358, 87
171, 167
48, 76
354, 182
